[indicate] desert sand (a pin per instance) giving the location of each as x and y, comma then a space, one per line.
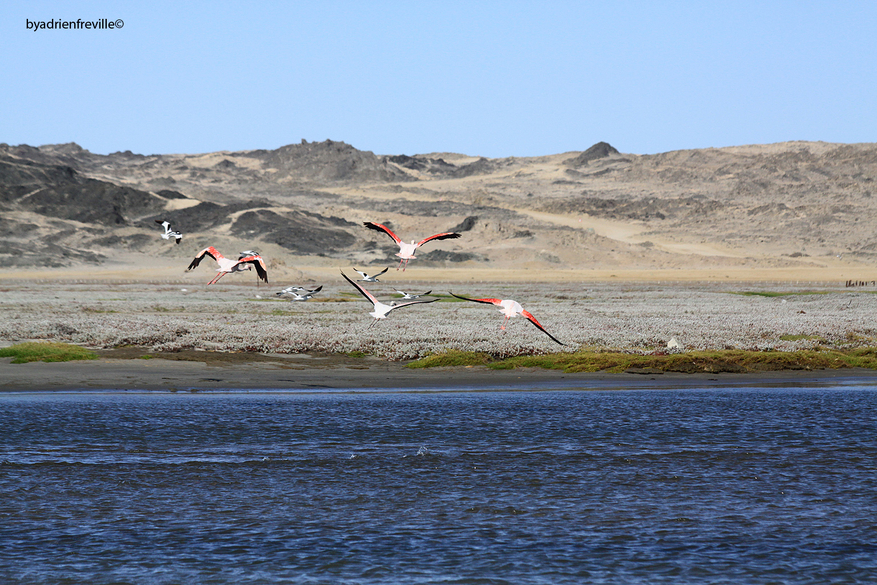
795, 211
140, 268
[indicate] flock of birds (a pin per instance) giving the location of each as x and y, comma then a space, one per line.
249, 260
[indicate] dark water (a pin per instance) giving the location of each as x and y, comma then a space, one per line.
664, 486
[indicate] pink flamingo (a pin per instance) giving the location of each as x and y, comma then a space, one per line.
510, 309
406, 251
246, 261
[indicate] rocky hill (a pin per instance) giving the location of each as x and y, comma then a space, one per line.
789, 204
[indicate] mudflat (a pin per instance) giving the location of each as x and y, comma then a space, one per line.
159, 335
193, 371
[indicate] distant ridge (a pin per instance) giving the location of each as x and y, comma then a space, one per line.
796, 204
328, 161
599, 150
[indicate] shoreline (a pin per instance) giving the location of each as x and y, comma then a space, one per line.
216, 372
169, 338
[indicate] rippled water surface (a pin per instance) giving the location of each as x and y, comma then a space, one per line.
662, 486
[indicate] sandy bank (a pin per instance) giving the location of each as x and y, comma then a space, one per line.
212, 371
304, 272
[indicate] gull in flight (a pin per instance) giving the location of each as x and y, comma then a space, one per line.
370, 278
510, 309
304, 296
406, 251
380, 309
406, 295
246, 261
293, 290
168, 233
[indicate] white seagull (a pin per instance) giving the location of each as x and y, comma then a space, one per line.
406, 251
406, 295
297, 290
381, 309
168, 233
246, 261
370, 278
510, 309
304, 296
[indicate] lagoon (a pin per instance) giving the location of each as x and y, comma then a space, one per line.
693, 485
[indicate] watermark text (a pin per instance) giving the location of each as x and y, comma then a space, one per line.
78, 24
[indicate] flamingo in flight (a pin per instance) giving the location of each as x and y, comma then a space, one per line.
510, 309
406, 251
380, 309
370, 278
246, 261
168, 232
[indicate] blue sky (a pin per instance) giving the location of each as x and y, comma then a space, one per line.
492, 79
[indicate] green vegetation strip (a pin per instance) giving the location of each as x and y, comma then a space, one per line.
32, 351
731, 361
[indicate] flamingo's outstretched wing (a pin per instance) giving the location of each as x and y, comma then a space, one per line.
444, 236
486, 301
533, 320
400, 305
361, 290
256, 261
208, 251
381, 228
